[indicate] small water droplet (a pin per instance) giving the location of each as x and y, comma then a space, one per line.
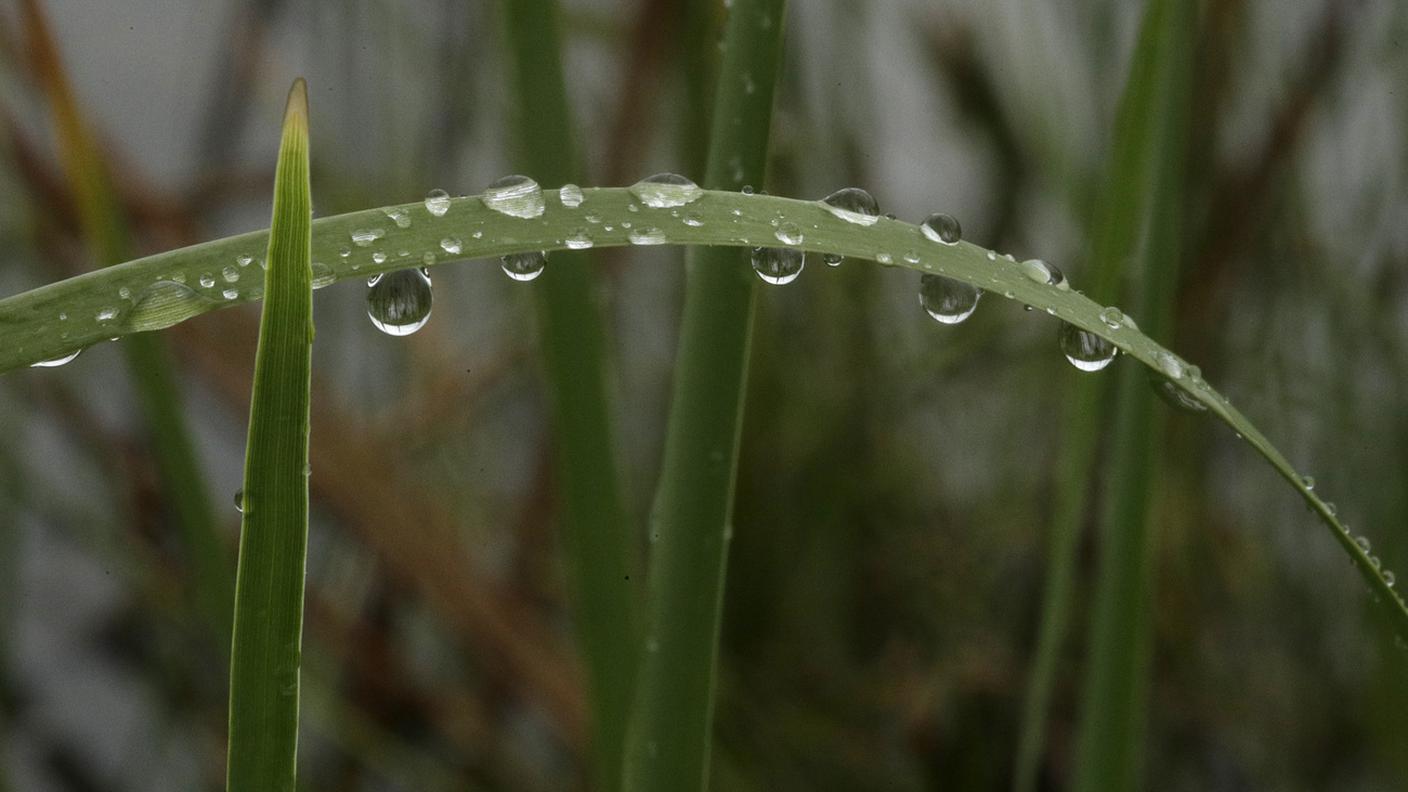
747, 189
1173, 395
941, 228
399, 216
947, 300
646, 236
398, 303
831, 259
437, 202
1333, 510
789, 233
451, 245
244, 261
378, 257
778, 266
230, 294
515, 196
579, 240
1112, 317
1041, 272
106, 314
911, 256
362, 237
992, 255
428, 258
571, 196
1389, 578
693, 219
853, 205
1363, 542
524, 266
1308, 482
207, 280
55, 362
239, 501
664, 190
1086, 350
164, 304
884, 258
323, 275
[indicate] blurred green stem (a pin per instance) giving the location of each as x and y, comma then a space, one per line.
596, 531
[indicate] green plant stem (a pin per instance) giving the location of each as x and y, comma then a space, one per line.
268, 631
668, 746
597, 533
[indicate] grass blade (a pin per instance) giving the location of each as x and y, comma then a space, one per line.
104, 228
597, 533
668, 747
264, 663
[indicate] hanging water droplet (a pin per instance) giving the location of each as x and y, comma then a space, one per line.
397, 215
646, 236
942, 228
451, 245
947, 300
1112, 317
239, 501
1041, 272
524, 266
664, 190
831, 259
398, 303
778, 266
1086, 350
579, 240
322, 275
853, 205
365, 236
207, 280
515, 196
571, 196
55, 362
789, 233
437, 202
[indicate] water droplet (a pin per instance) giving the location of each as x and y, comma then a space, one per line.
207, 280
1041, 272
884, 258
322, 275
579, 240
230, 294
164, 304
664, 190
344, 251
398, 303
55, 362
853, 205
365, 236
789, 233
437, 202
451, 245
1308, 482
693, 219
1086, 350
515, 196
399, 216
831, 259
1173, 395
942, 228
1389, 578
1333, 510
239, 501
747, 189
427, 258
106, 314
646, 236
1363, 542
1112, 317
524, 266
992, 255
571, 196
378, 257
911, 256
947, 300
778, 266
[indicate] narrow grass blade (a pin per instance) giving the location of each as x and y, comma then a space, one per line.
668, 746
597, 534
268, 633
104, 228
1153, 128
30, 329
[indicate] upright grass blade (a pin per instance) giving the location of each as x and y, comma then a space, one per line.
104, 227
1155, 127
1124, 207
597, 533
668, 745
268, 634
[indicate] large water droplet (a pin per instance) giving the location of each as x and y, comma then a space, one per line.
1086, 350
437, 202
55, 362
398, 303
853, 205
664, 190
515, 196
1041, 272
942, 228
947, 300
778, 266
524, 266
789, 233
571, 196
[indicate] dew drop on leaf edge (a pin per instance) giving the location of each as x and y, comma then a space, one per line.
1084, 349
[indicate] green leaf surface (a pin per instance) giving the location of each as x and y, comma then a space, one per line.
268, 631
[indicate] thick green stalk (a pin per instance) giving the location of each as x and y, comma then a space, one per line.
268, 633
1110, 747
597, 533
668, 747
105, 230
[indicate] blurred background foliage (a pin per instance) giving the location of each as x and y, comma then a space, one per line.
898, 476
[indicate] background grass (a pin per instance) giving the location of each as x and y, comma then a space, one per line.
896, 478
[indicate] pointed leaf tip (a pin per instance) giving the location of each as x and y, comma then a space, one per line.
296, 111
